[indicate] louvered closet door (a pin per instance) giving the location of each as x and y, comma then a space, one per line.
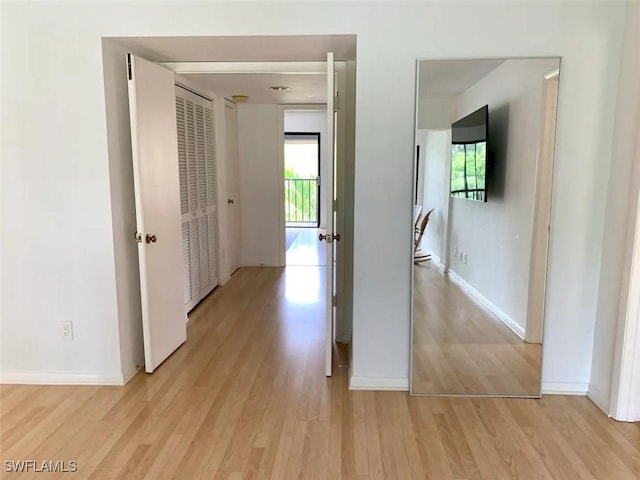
196, 153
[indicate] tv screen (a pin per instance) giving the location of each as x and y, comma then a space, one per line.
469, 137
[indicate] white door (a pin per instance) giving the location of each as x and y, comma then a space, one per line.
233, 187
196, 161
329, 237
154, 144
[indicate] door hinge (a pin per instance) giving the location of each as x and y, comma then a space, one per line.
334, 301
335, 204
129, 70
336, 102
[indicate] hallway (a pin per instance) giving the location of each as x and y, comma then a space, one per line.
246, 397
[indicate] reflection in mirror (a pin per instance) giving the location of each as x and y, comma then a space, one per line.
485, 134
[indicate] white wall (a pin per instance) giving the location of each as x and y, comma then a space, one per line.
260, 184
496, 235
312, 121
59, 184
436, 113
437, 157
57, 228
620, 219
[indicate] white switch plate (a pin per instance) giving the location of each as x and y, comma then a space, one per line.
464, 259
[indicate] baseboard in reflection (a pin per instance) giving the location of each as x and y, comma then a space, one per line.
379, 383
564, 388
486, 303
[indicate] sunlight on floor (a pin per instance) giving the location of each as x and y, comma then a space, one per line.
306, 249
303, 285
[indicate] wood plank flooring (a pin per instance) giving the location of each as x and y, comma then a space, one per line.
246, 398
460, 348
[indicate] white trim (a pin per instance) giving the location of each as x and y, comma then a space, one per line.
564, 388
485, 302
628, 348
62, 378
624, 399
599, 398
283, 68
435, 260
400, 384
552, 74
282, 221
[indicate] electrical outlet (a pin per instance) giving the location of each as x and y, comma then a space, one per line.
66, 328
464, 258
455, 251
461, 255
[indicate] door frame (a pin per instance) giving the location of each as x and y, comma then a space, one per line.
282, 228
625, 385
318, 137
541, 215
114, 50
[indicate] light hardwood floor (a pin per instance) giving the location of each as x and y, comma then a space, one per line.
306, 250
246, 398
459, 348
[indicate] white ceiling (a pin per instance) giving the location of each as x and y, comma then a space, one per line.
449, 78
306, 88
280, 48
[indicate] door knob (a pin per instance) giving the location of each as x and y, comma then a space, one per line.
150, 238
229, 201
329, 238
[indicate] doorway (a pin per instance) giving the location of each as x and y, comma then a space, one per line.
302, 206
310, 70
302, 179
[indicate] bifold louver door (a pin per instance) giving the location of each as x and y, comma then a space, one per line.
196, 160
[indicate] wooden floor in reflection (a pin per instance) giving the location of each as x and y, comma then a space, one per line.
459, 347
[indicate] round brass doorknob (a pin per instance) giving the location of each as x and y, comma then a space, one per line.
336, 237
322, 237
150, 238
230, 201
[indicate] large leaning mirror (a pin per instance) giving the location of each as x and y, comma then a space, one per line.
485, 134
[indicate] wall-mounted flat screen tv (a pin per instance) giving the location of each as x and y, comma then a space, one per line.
469, 138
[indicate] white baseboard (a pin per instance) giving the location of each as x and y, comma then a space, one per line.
62, 378
437, 262
400, 384
599, 398
564, 388
485, 302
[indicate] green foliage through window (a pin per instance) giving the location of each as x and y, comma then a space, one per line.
468, 170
